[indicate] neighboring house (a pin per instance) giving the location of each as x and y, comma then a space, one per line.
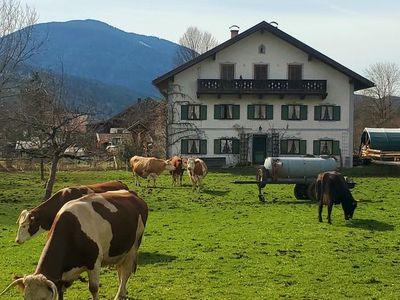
261, 93
142, 124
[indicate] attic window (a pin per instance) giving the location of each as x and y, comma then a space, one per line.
261, 49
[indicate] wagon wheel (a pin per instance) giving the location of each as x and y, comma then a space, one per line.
300, 191
311, 192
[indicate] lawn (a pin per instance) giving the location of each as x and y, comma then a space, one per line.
223, 243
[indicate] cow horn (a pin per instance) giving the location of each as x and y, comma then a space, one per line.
53, 289
12, 284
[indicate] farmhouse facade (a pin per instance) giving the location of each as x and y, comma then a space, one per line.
261, 93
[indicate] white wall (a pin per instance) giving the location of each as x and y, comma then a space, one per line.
244, 54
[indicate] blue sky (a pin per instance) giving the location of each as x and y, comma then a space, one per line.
356, 33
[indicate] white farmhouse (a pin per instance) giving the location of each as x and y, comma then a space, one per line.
261, 93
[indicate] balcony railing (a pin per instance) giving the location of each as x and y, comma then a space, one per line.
280, 87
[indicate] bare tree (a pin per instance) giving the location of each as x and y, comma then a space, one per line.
51, 127
193, 43
386, 76
16, 44
176, 129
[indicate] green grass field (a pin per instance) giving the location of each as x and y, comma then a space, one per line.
223, 243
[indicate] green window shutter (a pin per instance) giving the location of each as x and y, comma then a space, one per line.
335, 148
217, 146
203, 146
217, 112
250, 112
336, 113
303, 147
203, 112
235, 146
284, 146
270, 112
284, 112
184, 146
303, 112
317, 113
236, 112
316, 150
184, 112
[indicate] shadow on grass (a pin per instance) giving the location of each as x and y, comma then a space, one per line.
371, 225
278, 201
215, 192
146, 258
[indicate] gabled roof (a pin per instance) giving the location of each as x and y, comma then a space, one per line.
360, 82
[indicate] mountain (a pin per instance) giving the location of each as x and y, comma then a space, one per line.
94, 50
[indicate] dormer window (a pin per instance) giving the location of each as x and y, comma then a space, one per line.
261, 49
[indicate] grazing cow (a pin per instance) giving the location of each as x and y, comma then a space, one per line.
148, 167
40, 218
197, 170
331, 188
87, 233
179, 164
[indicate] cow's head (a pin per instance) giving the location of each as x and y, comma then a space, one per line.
35, 287
169, 166
349, 209
191, 163
27, 227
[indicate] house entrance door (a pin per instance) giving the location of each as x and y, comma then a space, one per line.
259, 149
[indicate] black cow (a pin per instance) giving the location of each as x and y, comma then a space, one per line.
331, 188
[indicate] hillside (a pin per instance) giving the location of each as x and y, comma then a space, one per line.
97, 51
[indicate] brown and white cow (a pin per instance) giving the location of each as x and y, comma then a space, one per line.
331, 188
179, 164
40, 218
148, 167
197, 170
95, 230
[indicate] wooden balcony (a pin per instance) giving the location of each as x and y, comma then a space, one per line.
281, 87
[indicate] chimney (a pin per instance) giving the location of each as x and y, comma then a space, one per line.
234, 30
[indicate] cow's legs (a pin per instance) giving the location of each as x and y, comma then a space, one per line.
320, 211
125, 269
330, 206
137, 183
94, 279
152, 176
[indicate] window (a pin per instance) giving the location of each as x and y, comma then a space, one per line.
293, 146
194, 112
294, 112
260, 112
226, 146
226, 111
327, 113
295, 72
260, 72
326, 147
261, 49
116, 141
227, 71
193, 146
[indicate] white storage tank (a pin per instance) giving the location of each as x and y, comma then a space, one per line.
298, 167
